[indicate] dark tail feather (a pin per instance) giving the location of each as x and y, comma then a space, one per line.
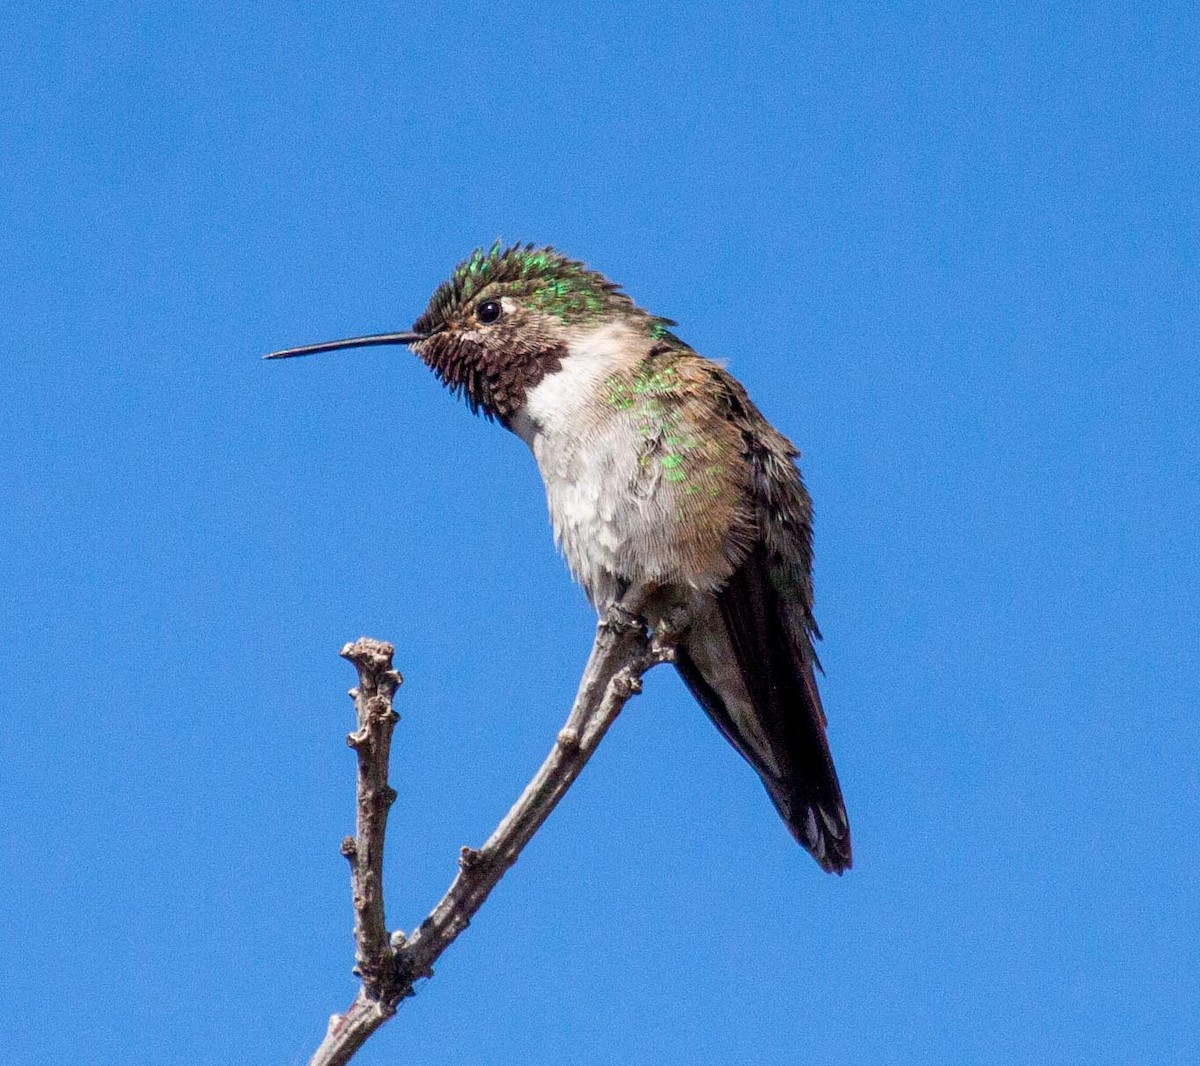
768, 707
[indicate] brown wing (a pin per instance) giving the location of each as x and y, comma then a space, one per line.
770, 708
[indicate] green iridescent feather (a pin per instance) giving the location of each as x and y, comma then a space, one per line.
545, 279
652, 397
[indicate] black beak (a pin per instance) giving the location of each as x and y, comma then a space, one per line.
352, 342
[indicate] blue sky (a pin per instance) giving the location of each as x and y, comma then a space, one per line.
952, 252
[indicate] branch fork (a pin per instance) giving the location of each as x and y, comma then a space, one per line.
389, 965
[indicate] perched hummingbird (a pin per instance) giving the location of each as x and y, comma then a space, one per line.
661, 477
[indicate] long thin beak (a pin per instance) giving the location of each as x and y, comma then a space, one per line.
351, 342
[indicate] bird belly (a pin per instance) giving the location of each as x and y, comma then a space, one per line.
613, 518
617, 521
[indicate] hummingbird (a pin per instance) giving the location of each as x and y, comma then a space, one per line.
662, 478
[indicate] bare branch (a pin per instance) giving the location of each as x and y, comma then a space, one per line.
390, 966
372, 741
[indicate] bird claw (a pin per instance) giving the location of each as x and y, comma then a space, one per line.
618, 616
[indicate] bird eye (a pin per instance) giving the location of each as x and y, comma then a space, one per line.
488, 311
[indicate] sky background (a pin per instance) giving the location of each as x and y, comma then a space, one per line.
952, 251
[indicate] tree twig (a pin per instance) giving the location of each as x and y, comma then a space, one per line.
389, 966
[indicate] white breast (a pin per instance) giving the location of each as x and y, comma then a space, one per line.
554, 406
607, 509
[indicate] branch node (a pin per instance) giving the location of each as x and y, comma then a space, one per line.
626, 684
568, 739
350, 848
379, 709
468, 858
370, 656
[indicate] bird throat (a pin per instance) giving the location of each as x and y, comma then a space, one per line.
494, 381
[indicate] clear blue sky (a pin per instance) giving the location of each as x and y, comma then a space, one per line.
951, 249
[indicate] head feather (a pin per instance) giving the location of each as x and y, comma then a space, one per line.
542, 278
